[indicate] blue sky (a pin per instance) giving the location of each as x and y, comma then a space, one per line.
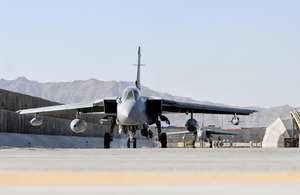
241, 53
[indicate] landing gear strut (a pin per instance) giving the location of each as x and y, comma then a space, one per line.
161, 136
108, 137
210, 143
131, 140
163, 140
112, 126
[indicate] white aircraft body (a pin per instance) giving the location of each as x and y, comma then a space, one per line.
131, 112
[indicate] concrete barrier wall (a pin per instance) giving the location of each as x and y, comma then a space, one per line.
57, 125
275, 135
15, 101
11, 122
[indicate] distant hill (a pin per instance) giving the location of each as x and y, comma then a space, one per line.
92, 89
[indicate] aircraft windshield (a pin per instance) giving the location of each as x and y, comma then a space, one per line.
131, 94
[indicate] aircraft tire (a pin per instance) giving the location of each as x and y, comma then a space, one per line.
216, 144
221, 144
106, 140
210, 143
128, 142
134, 143
163, 140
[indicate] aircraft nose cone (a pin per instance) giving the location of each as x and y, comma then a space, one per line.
128, 114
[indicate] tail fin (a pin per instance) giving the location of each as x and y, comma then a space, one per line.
138, 79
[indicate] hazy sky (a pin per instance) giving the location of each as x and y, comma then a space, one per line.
241, 53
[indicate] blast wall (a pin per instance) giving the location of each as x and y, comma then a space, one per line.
11, 122
277, 131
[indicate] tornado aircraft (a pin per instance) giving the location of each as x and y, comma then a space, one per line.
201, 133
131, 112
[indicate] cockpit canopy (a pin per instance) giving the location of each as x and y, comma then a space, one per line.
131, 93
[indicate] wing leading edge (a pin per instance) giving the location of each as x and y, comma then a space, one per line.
180, 133
87, 107
221, 132
209, 132
170, 106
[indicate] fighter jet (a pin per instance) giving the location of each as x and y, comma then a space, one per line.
201, 133
131, 112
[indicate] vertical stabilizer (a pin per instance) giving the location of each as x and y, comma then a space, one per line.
138, 79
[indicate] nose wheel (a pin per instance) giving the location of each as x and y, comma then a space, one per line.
131, 140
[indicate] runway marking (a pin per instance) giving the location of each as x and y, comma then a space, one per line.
120, 179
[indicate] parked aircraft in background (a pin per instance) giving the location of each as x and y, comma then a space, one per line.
131, 112
201, 133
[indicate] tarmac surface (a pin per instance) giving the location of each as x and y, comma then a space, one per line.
150, 171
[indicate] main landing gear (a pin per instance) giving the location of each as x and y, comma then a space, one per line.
163, 140
107, 140
108, 137
161, 136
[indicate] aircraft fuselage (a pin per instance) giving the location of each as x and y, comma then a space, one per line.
201, 133
132, 110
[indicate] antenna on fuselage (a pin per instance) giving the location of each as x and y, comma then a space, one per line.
138, 79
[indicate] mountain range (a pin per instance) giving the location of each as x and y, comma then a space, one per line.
92, 89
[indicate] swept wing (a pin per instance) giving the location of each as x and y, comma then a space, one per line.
103, 105
87, 107
170, 106
221, 132
180, 133
209, 132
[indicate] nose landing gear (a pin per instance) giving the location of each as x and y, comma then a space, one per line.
131, 140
